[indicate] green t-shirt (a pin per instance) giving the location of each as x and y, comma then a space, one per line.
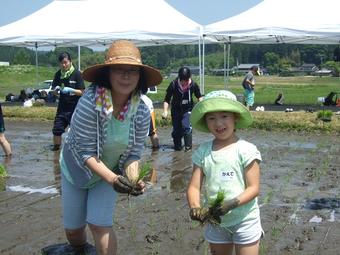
116, 142
225, 170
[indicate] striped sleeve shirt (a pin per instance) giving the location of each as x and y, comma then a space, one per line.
86, 136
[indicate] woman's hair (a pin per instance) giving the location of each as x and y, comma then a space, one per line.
64, 55
103, 81
184, 73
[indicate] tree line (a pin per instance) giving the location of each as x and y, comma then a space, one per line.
275, 57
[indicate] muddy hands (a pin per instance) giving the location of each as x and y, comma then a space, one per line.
123, 185
199, 214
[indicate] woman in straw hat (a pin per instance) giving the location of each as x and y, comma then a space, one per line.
230, 169
107, 132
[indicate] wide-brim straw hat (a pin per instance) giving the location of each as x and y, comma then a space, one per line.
219, 101
123, 52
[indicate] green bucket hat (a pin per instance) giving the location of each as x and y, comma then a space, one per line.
219, 101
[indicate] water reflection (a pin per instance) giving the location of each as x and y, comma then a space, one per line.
322, 203
6, 161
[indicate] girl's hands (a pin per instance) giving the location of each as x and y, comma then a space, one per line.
225, 207
199, 214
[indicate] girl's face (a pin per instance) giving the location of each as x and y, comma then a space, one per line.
65, 64
124, 79
221, 124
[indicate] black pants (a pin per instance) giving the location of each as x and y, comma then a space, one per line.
61, 122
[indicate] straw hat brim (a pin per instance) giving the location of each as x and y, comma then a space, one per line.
152, 76
219, 105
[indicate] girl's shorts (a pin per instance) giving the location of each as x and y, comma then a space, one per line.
80, 206
244, 233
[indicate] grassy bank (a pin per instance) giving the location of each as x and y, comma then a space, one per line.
302, 90
298, 121
290, 121
296, 90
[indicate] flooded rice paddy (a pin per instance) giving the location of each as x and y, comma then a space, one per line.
299, 197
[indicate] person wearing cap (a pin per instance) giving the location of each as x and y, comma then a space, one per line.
107, 134
68, 81
248, 85
180, 95
228, 165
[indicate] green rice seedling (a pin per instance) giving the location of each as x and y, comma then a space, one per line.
144, 171
214, 204
3, 172
325, 115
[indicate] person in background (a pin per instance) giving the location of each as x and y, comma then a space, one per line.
280, 99
107, 134
248, 85
6, 146
152, 129
70, 84
179, 94
227, 165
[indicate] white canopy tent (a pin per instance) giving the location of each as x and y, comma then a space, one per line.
96, 23
272, 22
290, 21
99, 22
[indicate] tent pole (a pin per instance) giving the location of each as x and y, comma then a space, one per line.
228, 61
200, 61
36, 63
224, 66
79, 57
203, 60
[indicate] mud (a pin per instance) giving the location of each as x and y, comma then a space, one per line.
298, 170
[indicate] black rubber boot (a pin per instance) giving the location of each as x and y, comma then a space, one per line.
177, 144
188, 141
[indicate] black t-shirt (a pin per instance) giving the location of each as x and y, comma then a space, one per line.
181, 101
67, 102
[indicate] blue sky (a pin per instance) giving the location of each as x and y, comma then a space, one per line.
201, 11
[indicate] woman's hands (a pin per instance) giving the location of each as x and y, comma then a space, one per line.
122, 185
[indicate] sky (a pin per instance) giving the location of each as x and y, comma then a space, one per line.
202, 11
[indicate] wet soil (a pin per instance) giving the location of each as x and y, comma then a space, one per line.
298, 170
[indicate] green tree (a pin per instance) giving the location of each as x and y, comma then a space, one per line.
271, 62
22, 57
335, 66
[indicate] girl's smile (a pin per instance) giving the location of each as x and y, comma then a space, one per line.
222, 125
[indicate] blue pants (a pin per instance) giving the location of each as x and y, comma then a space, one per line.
2, 123
81, 206
180, 125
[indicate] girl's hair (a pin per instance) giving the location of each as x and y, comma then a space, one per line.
103, 81
64, 55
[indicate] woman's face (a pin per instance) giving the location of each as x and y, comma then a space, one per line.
65, 64
124, 78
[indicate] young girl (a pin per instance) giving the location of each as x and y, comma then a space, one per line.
231, 165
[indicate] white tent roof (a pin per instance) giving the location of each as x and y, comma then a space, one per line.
289, 21
99, 22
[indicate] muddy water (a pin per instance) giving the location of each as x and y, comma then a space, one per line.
297, 170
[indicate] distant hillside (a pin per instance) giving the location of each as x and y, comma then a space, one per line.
170, 57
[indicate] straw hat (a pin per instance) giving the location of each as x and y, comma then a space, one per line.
219, 101
123, 52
